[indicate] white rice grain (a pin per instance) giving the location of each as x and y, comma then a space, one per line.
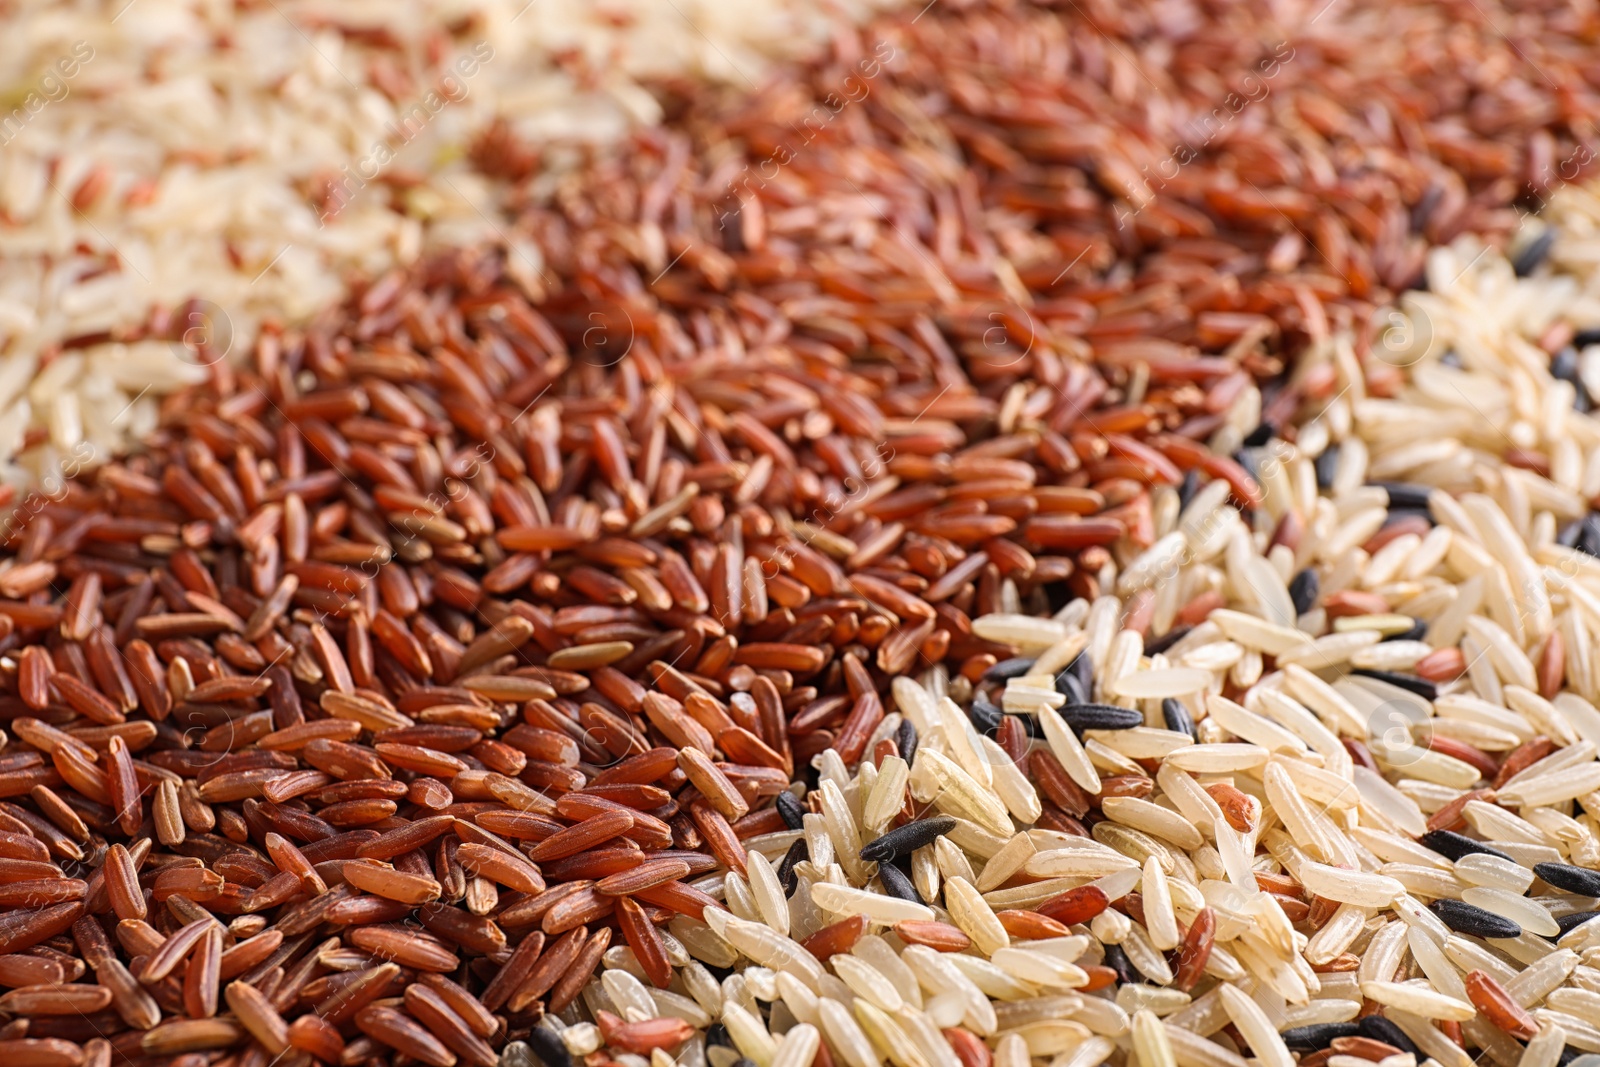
1256, 1027
1417, 1000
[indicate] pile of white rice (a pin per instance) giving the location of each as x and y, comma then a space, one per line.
154, 152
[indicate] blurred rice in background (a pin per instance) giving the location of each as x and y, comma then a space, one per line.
172, 173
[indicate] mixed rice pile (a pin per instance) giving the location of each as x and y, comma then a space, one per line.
851, 615
174, 172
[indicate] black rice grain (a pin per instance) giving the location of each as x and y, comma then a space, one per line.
1303, 590
791, 810
897, 884
1452, 846
1083, 717
1177, 717
904, 840
1317, 1035
1564, 876
1474, 921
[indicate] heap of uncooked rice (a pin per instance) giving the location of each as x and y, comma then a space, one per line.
250, 157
